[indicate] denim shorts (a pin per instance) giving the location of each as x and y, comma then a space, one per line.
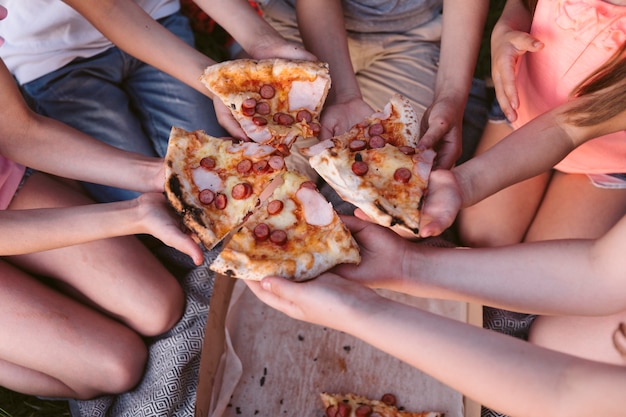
495, 113
607, 181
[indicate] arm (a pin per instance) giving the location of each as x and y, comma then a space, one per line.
528, 151
257, 37
510, 40
344, 106
47, 145
503, 373
148, 214
463, 24
551, 277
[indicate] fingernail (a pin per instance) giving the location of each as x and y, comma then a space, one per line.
265, 284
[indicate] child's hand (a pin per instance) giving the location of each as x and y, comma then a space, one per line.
507, 47
319, 301
158, 219
339, 118
442, 203
382, 252
440, 129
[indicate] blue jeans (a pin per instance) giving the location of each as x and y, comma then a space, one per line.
124, 102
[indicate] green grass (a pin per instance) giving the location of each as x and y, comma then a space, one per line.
13, 404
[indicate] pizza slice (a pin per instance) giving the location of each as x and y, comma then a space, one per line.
377, 166
214, 183
274, 100
353, 405
295, 234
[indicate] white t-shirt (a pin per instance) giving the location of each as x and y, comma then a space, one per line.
44, 35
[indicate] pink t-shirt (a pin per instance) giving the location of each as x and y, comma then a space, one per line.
10, 177
579, 36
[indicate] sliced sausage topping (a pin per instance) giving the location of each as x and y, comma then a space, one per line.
244, 166
208, 162
402, 175
376, 129
206, 196
360, 168
261, 232
259, 121
263, 108
241, 191
267, 91
304, 115
377, 142
275, 207
221, 201
276, 162
278, 237
260, 167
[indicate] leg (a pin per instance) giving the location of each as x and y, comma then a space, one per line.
118, 276
502, 218
161, 101
54, 346
588, 337
574, 208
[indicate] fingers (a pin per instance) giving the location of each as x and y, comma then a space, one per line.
356, 223
227, 121
504, 70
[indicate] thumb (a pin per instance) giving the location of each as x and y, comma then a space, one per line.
527, 43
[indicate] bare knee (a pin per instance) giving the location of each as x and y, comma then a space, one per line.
162, 313
116, 370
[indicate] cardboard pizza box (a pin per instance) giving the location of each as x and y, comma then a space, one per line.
258, 362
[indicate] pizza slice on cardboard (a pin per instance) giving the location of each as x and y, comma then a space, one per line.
354, 405
378, 167
274, 100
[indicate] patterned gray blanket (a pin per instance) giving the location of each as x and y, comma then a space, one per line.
169, 385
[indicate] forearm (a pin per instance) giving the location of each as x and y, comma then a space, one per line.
528, 151
329, 45
242, 22
548, 277
463, 24
22, 230
72, 154
501, 372
130, 28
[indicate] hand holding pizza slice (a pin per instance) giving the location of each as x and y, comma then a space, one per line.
274, 100
378, 167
